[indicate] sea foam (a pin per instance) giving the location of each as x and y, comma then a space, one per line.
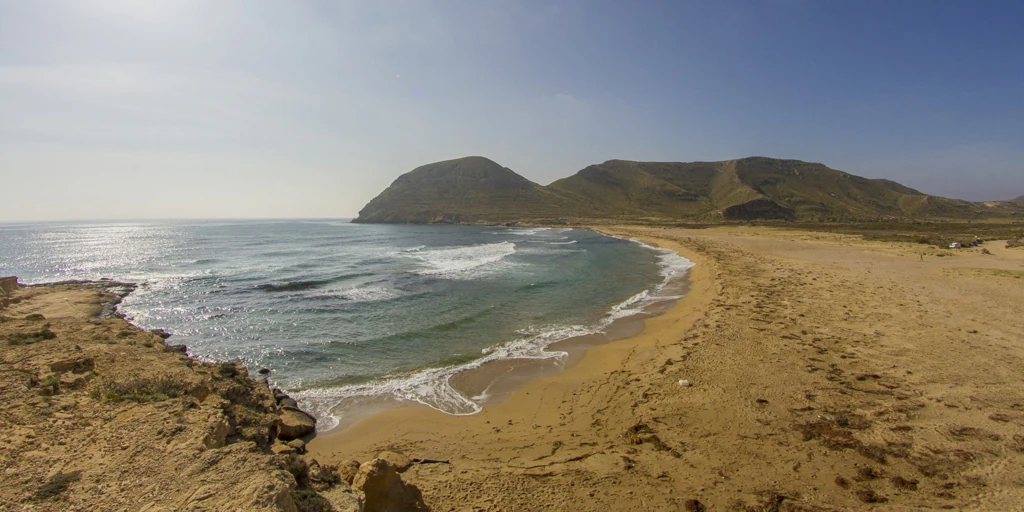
461, 262
431, 387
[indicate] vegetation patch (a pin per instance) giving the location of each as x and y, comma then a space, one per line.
28, 338
56, 485
307, 500
140, 389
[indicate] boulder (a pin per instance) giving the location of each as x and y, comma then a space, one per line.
343, 499
161, 333
8, 285
295, 424
400, 461
217, 431
298, 444
281, 449
384, 490
348, 470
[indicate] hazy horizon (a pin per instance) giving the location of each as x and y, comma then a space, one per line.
183, 109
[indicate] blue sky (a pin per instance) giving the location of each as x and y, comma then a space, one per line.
193, 108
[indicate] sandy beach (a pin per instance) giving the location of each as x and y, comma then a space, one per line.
825, 373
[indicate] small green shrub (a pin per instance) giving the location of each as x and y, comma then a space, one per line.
34, 317
307, 500
52, 380
28, 338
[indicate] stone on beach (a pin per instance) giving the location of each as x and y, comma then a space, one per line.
400, 461
295, 424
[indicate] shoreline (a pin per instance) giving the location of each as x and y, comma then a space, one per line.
492, 382
487, 383
643, 330
803, 371
822, 372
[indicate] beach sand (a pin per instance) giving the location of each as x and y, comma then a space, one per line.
826, 372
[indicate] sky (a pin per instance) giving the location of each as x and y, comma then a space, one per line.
263, 109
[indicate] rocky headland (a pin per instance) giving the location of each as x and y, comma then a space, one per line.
101, 415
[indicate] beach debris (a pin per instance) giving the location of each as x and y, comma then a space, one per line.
431, 461
684, 383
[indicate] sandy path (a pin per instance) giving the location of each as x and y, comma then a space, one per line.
828, 373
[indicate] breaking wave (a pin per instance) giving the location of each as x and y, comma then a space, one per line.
458, 262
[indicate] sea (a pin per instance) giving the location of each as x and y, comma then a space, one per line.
338, 310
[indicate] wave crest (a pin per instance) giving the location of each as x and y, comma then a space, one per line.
461, 261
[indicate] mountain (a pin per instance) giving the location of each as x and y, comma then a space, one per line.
475, 189
1021, 198
465, 190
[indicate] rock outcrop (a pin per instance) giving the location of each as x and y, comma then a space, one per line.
100, 415
295, 423
8, 285
384, 490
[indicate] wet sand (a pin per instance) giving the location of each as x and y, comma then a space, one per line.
495, 381
826, 372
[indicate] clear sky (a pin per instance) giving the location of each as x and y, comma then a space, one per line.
266, 108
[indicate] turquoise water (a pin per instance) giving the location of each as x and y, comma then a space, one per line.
338, 310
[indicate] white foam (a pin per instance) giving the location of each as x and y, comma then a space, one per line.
371, 294
527, 231
672, 265
431, 387
459, 262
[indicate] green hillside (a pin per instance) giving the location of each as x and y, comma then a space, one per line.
475, 189
465, 190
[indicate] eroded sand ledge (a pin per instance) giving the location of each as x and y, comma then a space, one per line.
828, 373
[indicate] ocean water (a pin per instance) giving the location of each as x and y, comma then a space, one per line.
340, 310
